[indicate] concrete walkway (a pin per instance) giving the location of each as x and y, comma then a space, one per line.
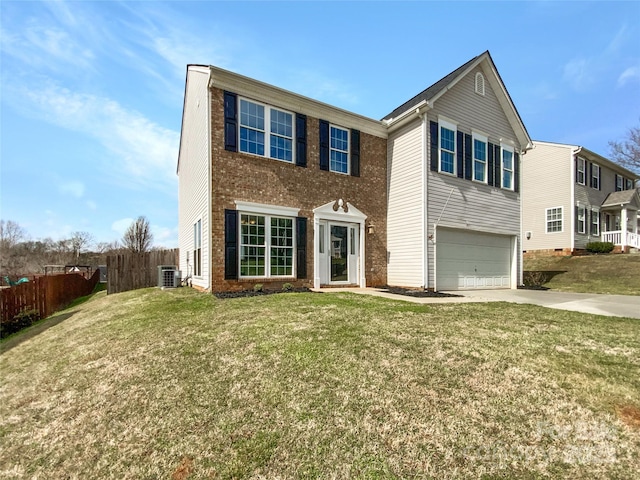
610, 305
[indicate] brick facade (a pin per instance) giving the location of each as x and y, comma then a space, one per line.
243, 177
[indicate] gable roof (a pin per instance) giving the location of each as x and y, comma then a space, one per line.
435, 91
624, 197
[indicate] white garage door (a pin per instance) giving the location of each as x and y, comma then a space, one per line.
466, 260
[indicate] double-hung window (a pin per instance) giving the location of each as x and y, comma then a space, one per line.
507, 166
580, 170
628, 184
266, 245
580, 219
595, 222
197, 248
260, 124
619, 183
479, 158
339, 150
447, 148
554, 219
595, 176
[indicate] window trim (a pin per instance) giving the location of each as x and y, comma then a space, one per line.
595, 213
595, 178
267, 130
347, 152
454, 128
582, 171
268, 244
482, 139
580, 208
561, 220
620, 181
508, 148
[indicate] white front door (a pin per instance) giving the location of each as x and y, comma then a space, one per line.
338, 251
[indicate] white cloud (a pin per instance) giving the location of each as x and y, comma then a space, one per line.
120, 226
164, 237
313, 84
143, 154
580, 74
629, 75
73, 188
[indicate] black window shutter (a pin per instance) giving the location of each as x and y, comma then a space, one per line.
575, 166
301, 140
301, 247
230, 122
599, 178
616, 183
590, 175
516, 172
468, 164
460, 154
497, 166
355, 153
433, 131
490, 161
324, 145
576, 219
230, 244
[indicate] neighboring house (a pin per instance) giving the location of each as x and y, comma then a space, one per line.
572, 196
278, 188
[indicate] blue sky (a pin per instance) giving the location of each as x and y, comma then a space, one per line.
91, 92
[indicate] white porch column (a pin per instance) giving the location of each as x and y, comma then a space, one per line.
623, 227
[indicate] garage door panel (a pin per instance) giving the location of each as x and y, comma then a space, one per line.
470, 260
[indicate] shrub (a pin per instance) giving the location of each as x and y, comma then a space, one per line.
287, 287
24, 319
600, 247
258, 287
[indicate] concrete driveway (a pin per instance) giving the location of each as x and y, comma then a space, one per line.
611, 305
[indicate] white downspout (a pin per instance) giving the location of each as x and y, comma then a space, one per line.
425, 210
572, 189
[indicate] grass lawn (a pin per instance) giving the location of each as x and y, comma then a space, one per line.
177, 384
610, 274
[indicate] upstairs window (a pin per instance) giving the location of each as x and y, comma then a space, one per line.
339, 150
479, 84
554, 219
257, 122
507, 167
619, 183
447, 148
580, 170
479, 158
628, 184
595, 176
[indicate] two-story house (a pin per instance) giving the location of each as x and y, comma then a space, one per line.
275, 187
572, 196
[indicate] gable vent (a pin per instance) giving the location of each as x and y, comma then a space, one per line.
479, 84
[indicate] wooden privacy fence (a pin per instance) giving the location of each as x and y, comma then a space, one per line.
46, 294
130, 271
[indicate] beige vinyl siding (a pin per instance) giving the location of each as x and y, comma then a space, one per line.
405, 211
547, 182
472, 205
592, 197
193, 174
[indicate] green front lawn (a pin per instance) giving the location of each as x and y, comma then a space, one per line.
177, 384
611, 274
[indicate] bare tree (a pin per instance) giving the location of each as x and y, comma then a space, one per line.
11, 233
12, 262
138, 237
627, 151
79, 242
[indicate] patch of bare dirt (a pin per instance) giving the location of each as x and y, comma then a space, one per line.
630, 415
184, 469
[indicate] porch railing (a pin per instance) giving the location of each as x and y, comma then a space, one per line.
615, 237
